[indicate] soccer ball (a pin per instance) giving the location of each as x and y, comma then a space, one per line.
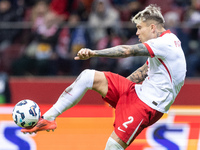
26, 113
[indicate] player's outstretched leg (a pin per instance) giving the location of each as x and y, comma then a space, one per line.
70, 97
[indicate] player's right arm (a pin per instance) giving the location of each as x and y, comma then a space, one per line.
114, 52
139, 75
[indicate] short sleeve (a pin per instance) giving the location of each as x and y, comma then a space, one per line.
157, 47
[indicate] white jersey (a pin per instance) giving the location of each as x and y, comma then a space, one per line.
166, 72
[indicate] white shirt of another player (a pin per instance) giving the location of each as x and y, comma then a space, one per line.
166, 72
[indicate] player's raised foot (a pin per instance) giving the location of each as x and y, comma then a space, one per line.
42, 125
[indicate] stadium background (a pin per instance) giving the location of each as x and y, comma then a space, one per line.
89, 124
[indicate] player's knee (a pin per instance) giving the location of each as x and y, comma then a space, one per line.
87, 72
87, 76
113, 145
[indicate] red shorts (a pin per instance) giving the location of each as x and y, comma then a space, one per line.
131, 114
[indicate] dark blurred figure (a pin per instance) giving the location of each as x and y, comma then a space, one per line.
103, 15
73, 37
192, 19
39, 56
79, 38
8, 13
5, 95
130, 9
183, 3
110, 40
11, 13
84, 9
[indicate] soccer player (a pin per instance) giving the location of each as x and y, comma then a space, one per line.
140, 99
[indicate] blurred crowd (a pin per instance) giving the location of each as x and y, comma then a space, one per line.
41, 37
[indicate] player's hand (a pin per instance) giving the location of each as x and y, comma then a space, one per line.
84, 54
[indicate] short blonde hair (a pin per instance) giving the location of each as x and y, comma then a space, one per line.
151, 12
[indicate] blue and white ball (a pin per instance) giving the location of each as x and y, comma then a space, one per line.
26, 113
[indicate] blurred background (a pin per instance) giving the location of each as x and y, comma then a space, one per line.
41, 37
38, 41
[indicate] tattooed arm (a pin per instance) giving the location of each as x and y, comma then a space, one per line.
114, 52
139, 75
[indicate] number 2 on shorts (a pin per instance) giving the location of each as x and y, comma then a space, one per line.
130, 120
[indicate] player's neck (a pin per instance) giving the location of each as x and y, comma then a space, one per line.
159, 32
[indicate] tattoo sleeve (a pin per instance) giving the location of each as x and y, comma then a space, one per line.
123, 51
139, 75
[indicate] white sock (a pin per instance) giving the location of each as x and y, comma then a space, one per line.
113, 145
72, 94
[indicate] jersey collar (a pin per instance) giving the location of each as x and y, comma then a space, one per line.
167, 31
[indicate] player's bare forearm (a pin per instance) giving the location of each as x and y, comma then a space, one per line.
114, 52
139, 75
123, 51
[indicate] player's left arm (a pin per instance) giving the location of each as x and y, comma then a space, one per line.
139, 75
114, 52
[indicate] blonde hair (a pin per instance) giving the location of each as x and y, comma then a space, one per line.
151, 12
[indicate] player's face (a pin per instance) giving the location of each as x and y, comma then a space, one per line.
144, 32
